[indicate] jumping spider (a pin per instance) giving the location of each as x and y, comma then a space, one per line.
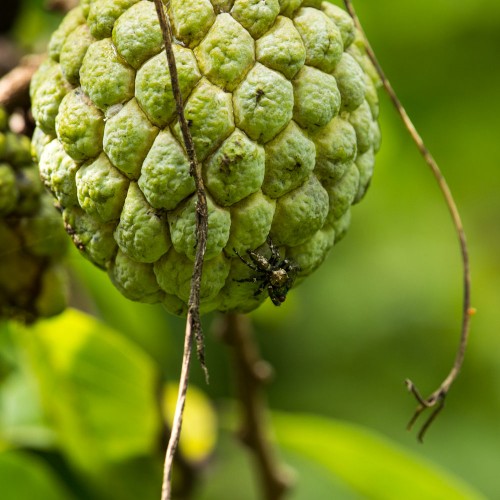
275, 274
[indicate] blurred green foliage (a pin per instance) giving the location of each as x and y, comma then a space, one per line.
385, 306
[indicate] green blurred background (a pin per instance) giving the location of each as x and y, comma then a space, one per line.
386, 305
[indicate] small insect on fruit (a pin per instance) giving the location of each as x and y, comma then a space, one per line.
274, 274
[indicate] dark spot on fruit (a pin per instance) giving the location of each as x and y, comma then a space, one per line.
225, 164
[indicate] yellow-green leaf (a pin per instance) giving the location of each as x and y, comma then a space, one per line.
199, 428
369, 464
97, 388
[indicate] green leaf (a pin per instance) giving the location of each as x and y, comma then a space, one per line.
97, 388
22, 421
368, 463
24, 477
310, 480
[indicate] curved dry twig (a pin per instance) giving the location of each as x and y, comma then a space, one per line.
437, 398
193, 324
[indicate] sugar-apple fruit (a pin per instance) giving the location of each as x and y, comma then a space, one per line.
282, 105
32, 237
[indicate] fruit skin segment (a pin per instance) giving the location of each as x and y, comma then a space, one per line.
33, 281
281, 101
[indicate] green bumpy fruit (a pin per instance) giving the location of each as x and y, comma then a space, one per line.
32, 237
281, 102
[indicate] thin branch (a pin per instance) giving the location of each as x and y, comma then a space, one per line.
436, 399
193, 323
252, 373
14, 86
173, 442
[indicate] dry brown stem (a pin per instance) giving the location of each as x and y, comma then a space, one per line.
193, 324
437, 398
251, 374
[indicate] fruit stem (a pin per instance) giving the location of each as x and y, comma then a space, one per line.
193, 330
252, 373
437, 398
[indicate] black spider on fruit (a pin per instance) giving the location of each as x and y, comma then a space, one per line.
276, 275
